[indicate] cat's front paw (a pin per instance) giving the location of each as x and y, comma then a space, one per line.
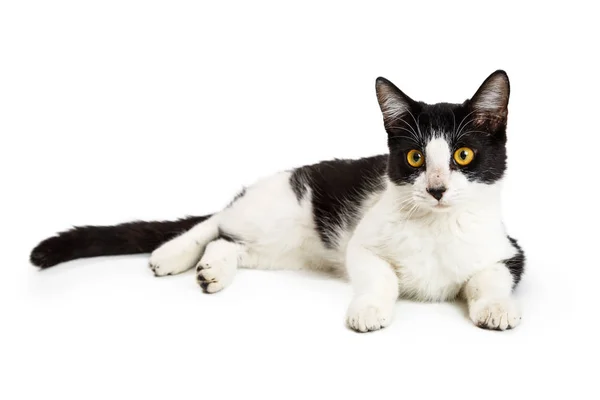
369, 313
497, 314
174, 257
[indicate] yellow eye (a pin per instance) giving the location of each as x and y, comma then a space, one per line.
415, 158
463, 156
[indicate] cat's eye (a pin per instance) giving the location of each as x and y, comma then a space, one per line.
464, 156
415, 158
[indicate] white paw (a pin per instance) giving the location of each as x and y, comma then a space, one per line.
214, 276
499, 314
174, 257
368, 313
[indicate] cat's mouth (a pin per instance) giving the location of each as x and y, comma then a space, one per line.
441, 207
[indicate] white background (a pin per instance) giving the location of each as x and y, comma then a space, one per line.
120, 110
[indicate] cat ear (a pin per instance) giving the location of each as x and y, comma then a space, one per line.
393, 103
490, 103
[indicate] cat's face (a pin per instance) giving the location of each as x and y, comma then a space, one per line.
444, 155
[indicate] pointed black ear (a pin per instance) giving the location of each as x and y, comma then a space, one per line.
393, 103
490, 103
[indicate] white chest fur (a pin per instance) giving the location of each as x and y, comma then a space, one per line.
434, 254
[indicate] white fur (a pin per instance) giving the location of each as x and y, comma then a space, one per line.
437, 157
488, 297
218, 264
181, 253
375, 287
278, 231
403, 245
433, 253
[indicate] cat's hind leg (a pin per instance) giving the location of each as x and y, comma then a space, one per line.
183, 252
218, 265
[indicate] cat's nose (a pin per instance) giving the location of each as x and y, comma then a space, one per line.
437, 192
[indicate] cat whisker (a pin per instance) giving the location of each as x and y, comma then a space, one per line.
416, 122
418, 126
406, 138
453, 122
411, 128
414, 208
463, 120
460, 133
404, 203
411, 132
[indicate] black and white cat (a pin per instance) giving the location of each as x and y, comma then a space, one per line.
423, 222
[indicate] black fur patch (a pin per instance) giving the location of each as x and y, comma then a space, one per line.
338, 187
516, 264
298, 182
456, 126
93, 241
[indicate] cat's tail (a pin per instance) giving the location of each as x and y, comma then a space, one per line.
93, 241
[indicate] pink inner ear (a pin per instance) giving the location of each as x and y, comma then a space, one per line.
492, 96
490, 103
392, 105
492, 99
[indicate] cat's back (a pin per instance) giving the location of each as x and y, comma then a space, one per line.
306, 216
340, 177
339, 191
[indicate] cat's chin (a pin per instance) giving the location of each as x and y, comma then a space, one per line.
441, 208
435, 208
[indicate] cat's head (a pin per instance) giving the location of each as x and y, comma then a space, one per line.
446, 155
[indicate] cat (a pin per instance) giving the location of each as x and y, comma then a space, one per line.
422, 222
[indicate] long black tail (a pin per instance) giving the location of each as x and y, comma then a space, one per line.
93, 241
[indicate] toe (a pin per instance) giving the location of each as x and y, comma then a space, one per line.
495, 314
